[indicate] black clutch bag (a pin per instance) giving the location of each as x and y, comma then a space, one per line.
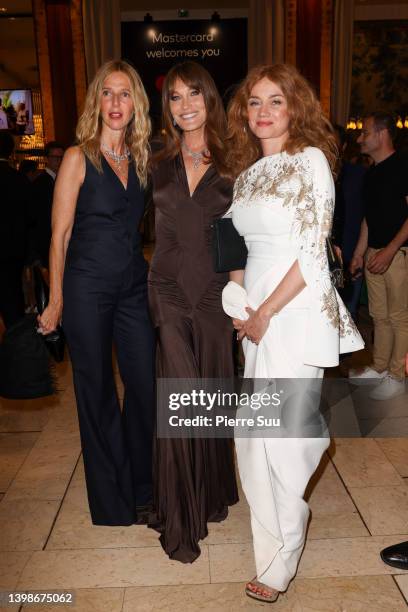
335, 265
55, 341
229, 248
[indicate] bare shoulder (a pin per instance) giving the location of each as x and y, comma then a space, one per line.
73, 164
74, 153
74, 156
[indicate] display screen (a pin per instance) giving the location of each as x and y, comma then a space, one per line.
16, 111
153, 48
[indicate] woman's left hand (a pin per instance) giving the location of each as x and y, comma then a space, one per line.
238, 324
255, 327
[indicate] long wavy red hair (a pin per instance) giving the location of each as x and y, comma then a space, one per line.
308, 126
196, 77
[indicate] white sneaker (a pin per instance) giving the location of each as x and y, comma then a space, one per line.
388, 388
367, 376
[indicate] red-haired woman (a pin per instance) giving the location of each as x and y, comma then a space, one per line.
291, 319
194, 478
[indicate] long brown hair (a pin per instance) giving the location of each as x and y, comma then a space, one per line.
308, 125
196, 77
138, 130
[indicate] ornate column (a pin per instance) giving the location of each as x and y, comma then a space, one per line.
266, 32
309, 25
326, 43
259, 32
78, 46
102, 32
290, 31
308, 40
58, 27
44, 67
342, 60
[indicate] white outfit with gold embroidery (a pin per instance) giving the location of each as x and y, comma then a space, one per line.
283, 207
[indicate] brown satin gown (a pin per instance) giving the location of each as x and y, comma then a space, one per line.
194, 479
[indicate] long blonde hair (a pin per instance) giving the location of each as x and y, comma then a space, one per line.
138, 130
308, 125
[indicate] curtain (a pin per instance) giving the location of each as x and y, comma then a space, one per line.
101, 20
342, 60
266, 32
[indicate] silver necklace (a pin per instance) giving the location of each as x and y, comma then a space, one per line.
197, 156
115, 156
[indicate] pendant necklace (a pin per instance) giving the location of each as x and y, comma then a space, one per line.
197, 156
115, 156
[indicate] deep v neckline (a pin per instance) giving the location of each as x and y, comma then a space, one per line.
185, 177
117, 177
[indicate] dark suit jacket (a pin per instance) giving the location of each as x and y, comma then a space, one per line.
43, 192
14, 200
349, 209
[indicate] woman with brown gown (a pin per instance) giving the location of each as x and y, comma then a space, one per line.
194, 479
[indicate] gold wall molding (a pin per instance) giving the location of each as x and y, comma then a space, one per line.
290, 26
326, 43
44, 67
52, 53
78, 53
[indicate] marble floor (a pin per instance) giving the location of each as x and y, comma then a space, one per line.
358, 498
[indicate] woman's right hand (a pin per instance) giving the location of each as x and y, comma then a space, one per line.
50, 319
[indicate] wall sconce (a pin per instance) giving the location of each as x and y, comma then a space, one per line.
357, 124
215, 17
148, 18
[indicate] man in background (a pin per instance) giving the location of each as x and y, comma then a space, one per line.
382, 250
348, 216
14, 199
42, 196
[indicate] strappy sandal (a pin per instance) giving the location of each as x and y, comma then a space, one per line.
260, 592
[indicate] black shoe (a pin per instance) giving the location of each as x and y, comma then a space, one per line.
396, 556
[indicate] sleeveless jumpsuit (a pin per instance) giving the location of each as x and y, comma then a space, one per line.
105, 303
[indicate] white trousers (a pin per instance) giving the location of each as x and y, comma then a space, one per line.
275, 471
274, 475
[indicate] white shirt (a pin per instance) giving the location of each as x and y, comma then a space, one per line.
51, 173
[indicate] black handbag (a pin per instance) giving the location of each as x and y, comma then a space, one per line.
55, 341
229, 248
25, 368
335, 265
230, 251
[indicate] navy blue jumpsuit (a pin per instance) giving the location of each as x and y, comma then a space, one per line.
105, 303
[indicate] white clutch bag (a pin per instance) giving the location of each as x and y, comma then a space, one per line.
234, 301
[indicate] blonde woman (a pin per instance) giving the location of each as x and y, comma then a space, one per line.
291, 319
98, 283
